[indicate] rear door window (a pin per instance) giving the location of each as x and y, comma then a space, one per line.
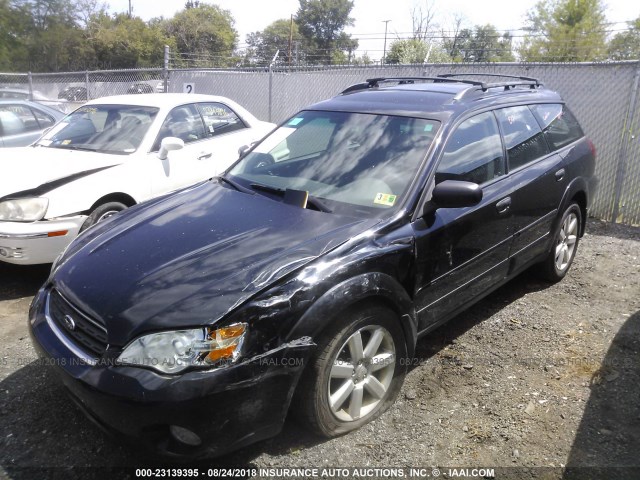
559, 125
219, 119
522, 136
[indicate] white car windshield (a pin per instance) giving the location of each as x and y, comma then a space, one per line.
351, 163
115, 129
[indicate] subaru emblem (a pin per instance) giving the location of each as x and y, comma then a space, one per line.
69, 322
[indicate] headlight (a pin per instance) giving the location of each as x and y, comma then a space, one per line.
23, 209
175, 351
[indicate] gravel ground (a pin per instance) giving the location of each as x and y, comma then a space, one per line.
533, 376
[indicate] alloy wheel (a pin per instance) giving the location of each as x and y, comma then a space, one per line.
566, 242
361, 373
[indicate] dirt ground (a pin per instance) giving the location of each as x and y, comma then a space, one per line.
532, 380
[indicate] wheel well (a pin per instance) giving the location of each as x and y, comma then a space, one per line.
368, 301
114, 197
374, 300
581, 199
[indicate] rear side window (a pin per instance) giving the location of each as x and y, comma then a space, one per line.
522, 136
559, 125
43, 119
474, 152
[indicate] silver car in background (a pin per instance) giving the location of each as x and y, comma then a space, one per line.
22, 122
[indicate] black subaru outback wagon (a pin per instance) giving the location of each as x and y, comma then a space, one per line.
302, 278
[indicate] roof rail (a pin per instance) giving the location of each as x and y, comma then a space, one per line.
476, 85
480, 74
375, 82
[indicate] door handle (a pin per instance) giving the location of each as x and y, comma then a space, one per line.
204, 155
560, 174
503, 205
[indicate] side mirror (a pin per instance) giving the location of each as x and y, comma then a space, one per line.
169, 144
456, 194
245, 148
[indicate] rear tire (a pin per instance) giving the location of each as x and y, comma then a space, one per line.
565, 245
102, 212
355, 374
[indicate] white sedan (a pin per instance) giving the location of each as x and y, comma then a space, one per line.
110, 154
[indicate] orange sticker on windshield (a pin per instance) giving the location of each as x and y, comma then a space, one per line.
385, 199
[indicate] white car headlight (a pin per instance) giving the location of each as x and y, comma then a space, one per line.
175, 351
23, 209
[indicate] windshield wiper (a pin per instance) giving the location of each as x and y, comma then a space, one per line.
268, 189
75, 147
313, 201
235, 185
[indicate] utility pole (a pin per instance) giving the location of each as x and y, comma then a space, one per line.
130, 9
384, 52
290, 38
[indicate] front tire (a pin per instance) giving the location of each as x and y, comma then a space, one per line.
102, 212
356, 373
565, 245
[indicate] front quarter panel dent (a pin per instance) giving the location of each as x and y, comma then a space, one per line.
363, 287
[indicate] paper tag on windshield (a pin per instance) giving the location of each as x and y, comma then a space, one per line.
385, 199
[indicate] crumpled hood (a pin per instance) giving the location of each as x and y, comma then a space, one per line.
26, 168
193, 257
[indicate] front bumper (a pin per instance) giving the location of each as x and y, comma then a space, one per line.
37, 242
226, 408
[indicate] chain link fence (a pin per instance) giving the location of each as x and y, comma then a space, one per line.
604, 96
67, 91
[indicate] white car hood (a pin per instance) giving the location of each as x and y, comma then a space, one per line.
27, 168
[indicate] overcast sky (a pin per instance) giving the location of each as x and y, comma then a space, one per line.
253, 15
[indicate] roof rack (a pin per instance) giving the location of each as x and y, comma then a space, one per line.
375, 82
480, 74
475, 85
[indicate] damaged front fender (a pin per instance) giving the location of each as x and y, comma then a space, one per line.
374, 286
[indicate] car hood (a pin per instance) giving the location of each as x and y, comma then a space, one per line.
193, 257
41, 169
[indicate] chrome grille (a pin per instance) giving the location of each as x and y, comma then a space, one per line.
88, 334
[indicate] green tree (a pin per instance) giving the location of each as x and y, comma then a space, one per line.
204, 34
565, 31
322, 24
626, 45
85, 10
343, 54
416, 51
46, 35
263, 45
8, 43
483, 43
437, 54
364, 59
120, 41
407, 51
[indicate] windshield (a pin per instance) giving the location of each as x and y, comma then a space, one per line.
116, 129
355, 164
